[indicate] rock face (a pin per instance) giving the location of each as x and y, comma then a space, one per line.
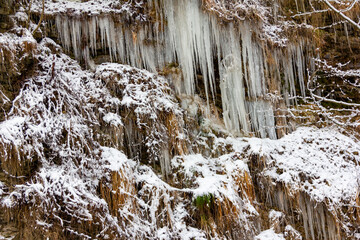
6, 8
168, 119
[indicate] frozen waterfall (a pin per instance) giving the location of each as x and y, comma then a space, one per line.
199, 43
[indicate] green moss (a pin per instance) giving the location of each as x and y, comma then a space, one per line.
204, 205
203, 201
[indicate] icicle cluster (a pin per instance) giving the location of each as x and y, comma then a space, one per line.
199, 43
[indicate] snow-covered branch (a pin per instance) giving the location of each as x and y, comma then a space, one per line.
342, 14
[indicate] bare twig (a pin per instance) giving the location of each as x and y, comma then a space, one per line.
41, 17
29, 13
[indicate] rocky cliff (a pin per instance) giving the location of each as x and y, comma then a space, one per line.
179, 119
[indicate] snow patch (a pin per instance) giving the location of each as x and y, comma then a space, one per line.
113, 119
321, 162
269, 235
116, 158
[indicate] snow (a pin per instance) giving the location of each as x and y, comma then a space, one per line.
186, 232
63, 98
217, 177
275, 215
59, 106
274, 32
145, 91
115, 158
12, 40
150, 98
15, 47
79, 8
6, 238
208, 180
291, 232
269, 235
113, 119
162, 192
324, 163
2, 186
10, 130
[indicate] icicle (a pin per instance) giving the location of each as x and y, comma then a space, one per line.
253, 59
289, 77
262, 117
300, 68
193, 38
233, 95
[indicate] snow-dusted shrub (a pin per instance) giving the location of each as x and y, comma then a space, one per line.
151, 115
